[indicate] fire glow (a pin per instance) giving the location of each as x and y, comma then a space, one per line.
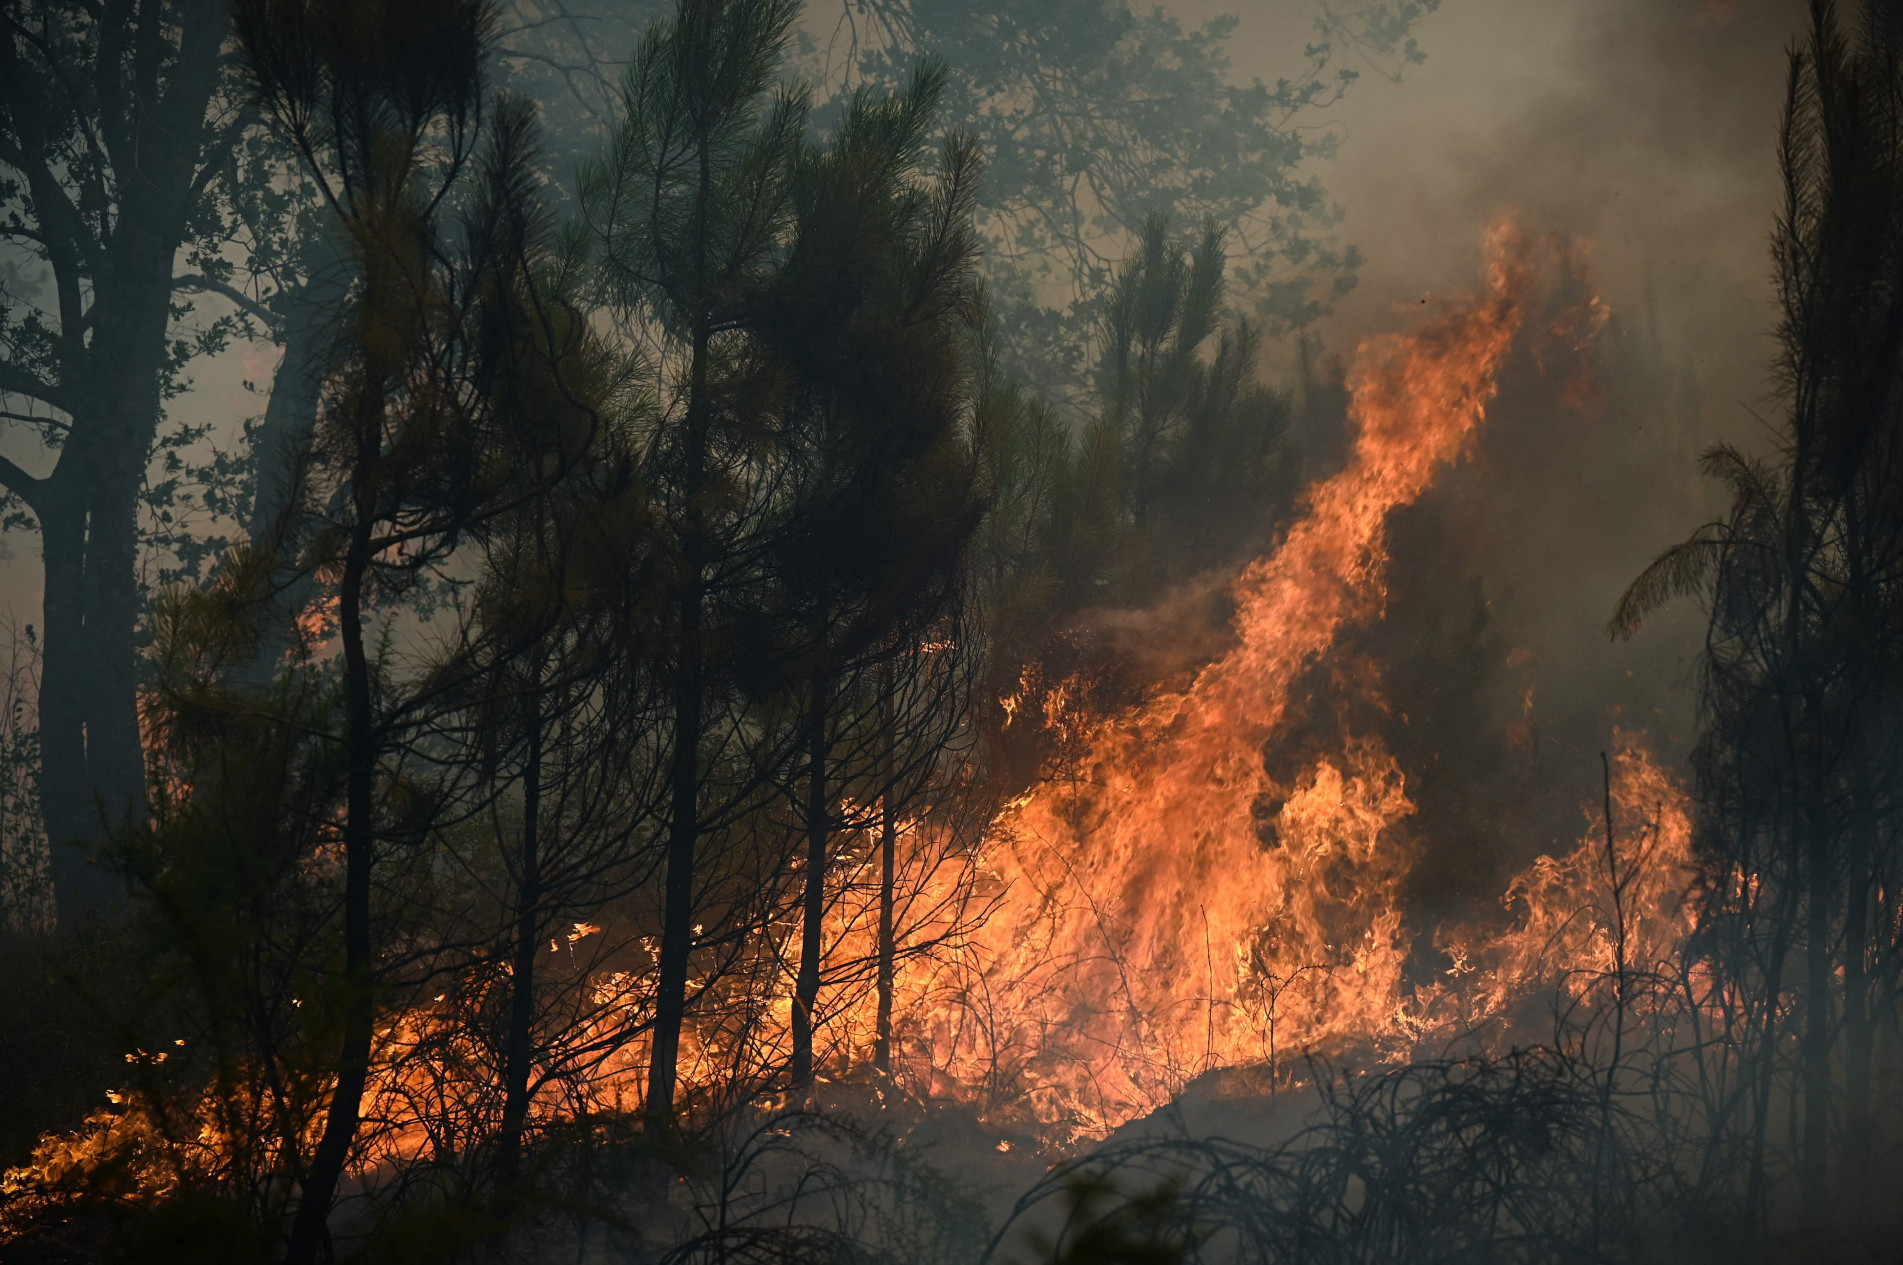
1165, 907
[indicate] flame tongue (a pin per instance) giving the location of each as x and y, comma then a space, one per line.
1168, 905
1150, 931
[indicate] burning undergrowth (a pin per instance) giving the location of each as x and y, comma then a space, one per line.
1217, 875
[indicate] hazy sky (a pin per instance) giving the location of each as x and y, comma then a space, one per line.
1644, 125
1648, 128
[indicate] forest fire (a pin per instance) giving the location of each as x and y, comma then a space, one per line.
861, 649
1160, 906
1167, 907
1171, 905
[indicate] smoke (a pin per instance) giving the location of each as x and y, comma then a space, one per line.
1646, 128
1645, 131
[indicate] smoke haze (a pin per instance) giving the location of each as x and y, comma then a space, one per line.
1645, 128
1648, 131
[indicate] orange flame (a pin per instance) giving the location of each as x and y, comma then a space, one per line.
1169, 906
1166, 906
1172, 907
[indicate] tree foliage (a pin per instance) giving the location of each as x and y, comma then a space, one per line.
1799, 580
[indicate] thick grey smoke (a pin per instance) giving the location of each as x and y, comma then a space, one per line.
1647, 130
1646, 126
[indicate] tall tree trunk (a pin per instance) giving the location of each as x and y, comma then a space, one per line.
888, 865
1859, 1032
813, 904
92, 759
1817, 971
528, 913
310, 1229
677, 913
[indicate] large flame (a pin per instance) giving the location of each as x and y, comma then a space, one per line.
1161, 905
1169, 906
1172, 904
1164, 904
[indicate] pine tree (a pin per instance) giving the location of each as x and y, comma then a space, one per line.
690, 207
440, 420
1800, 712
871, 319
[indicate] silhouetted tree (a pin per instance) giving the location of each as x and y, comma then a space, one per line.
116, 131
450, 407
871, 317
1800, 578
690, 207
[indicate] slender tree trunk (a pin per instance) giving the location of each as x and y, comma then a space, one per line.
1799, 548
677, 913
813, 906
888, 865
310, 1230
1616, 888
528, 913
1859, 1032
1757, 1201
1817, 971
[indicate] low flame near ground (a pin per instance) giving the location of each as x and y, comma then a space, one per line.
1162, 905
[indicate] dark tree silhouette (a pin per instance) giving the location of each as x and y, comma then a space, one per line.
1801, 581
116, 130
